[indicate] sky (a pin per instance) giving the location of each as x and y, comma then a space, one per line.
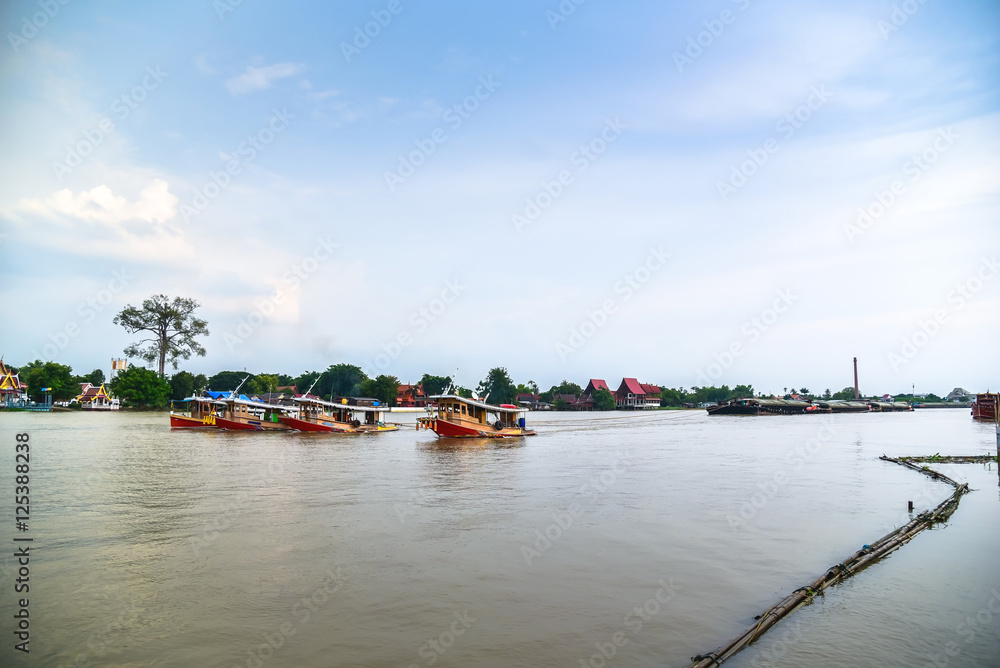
732, 192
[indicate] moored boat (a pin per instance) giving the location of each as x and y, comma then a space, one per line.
458, 417
985, 407
244, 414
200, 414
317, 415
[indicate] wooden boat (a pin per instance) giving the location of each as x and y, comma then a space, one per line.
344, 417
985, 407
200, 414
458, 417
749, 406
247, 415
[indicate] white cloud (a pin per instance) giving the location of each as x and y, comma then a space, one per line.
259, 78
155, 204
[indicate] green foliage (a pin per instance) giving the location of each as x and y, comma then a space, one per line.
561, 405
826, 394
139, 387
59, 377
285, 379
305, 381
342, 380
603, 400
226, 381
464, 392
845, 394
184, 385
498, 386
383, 387
527, 388
261, 384
434, 385
673, 397
172, 329
95, 378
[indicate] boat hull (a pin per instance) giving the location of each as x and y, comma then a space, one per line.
319, 425
185, 422
448, 429
250, 425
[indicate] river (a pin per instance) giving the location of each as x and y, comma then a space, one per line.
608, 539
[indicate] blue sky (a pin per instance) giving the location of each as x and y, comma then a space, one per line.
723, 193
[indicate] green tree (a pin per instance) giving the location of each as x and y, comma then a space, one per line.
305, 381
527, 388
498, 387
184, 385
38, 375
172, 327
95, 378
139, 387
227, 381
603, 400
262, 384
846, 393
342, 380
434, 385
826, 393
743, 392
673, 397
383, 387
561, 405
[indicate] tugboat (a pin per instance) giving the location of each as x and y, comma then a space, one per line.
458, 417
324, 416
200, 414
985, 407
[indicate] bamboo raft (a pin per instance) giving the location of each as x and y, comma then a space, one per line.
868, 555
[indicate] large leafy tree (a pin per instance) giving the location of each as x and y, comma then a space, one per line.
434, 385
226, 381
95, 377
262, 384
184, 384
172, 329
604, 400
342, 380
384, 388
139, 387
38, 375
498, 387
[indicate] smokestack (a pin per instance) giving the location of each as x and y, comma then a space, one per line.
857, 394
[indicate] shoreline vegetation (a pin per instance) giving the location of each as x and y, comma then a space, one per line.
139, 388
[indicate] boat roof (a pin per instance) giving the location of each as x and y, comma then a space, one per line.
479, 404
330, 404
205, 400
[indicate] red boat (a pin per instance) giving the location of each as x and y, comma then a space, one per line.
985, 407
248, 415
202, 413
323, 416
458, 417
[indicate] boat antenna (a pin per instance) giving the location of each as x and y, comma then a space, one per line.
232, 393
313, 385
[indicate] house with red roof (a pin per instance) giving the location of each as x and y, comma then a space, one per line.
411, 396
632, 395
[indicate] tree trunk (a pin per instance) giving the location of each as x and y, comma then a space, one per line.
163, 358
